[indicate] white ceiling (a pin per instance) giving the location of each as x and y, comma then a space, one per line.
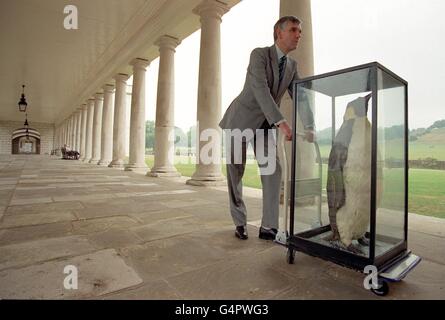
61, 68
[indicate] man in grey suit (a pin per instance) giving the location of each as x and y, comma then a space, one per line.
256, 110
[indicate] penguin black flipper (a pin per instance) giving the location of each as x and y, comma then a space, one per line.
335, 186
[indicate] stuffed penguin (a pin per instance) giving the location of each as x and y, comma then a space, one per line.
349, 177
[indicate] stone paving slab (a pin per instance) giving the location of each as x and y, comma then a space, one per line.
114, 238
161, 230
7, 187
103, 224
246, 277
152, 290
426, 281
431, 247
168, 257
5, 182
174, 203
99, 273
29, 219
18, 202
37, 232
116, 210
163, 215
34, 188
47, 207
82, 197
26, 253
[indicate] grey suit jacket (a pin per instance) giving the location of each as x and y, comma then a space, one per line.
260, 98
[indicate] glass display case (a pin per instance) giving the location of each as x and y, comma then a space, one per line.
349, 188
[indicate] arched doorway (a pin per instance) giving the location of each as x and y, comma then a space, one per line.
23, 143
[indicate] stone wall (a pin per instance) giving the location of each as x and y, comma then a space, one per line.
46, 131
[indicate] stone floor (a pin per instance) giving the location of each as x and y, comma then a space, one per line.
135, 237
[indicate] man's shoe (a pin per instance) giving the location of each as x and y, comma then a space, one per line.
241, 232
268, 234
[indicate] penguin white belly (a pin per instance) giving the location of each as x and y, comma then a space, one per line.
353, 218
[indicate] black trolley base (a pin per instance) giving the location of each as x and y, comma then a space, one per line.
392, 270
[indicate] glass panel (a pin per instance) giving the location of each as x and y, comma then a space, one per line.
337, 168
390, 196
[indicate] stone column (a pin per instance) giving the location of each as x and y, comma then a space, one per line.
304, 54
209, 93
127, 119
63, 133
137, 117
78, 127
119, 121
89, 131
83, 131
165, 108
106, 154
62, 126
97, 127
73, 130
70, 131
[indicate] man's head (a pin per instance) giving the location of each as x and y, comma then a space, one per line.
287, 33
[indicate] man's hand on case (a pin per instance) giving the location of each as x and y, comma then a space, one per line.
286, 130
309, 135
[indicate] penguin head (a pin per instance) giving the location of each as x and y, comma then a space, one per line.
357, 108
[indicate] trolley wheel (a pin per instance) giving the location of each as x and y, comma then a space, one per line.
290, 256
383, 288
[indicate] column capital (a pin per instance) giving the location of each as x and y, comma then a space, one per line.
139, 63
99, 96
83, 106
167, 42
121, 77
211, 9
108, 88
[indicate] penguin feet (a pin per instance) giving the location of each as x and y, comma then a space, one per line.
363, 241
354, 249
331, 237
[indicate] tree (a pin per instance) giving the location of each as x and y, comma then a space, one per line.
149, 134
438, 124
180, 138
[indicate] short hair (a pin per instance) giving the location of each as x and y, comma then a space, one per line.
281, 23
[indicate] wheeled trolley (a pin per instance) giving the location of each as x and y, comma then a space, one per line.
358, 168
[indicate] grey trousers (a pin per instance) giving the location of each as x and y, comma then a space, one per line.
270, 170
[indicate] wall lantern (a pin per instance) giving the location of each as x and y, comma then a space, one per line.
22, 103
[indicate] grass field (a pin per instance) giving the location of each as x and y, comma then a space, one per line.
426, 187
416, 150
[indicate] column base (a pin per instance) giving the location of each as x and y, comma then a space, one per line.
104, 163
117, 164
207, 181
94, 161
163, 174
136, 167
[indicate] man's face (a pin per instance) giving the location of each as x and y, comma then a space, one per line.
288, 37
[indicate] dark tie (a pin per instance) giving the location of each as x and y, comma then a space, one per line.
281, 66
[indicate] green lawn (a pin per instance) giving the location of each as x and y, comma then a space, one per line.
426, 187
416, 150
